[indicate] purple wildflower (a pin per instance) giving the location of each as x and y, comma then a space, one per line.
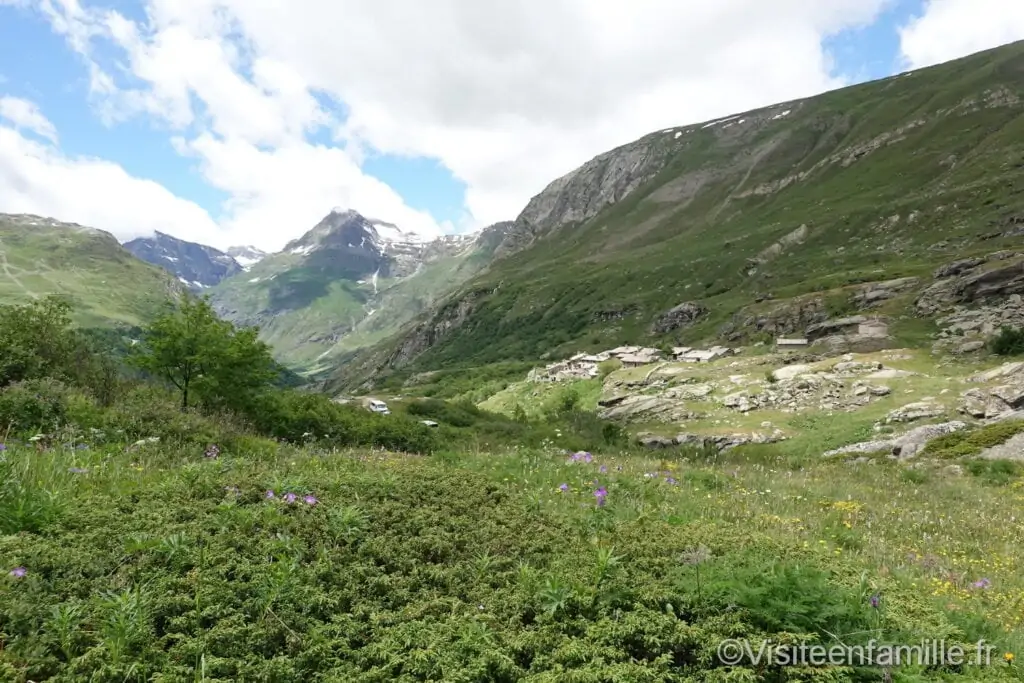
212, 451
269, 494
77, 470
601, 494
876, 600
3, 447
671, 480
311, 500
603, 469
18, 572
290, 498
563, 488
982, 583
582, 456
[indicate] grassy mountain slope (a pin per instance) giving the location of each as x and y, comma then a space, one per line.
761, 215
107, 284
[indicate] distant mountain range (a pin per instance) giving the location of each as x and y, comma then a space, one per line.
900, 199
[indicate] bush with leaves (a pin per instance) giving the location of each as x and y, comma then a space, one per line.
1009, 342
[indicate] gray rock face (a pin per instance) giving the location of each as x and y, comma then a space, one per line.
979, 283
582, 193
682, 315
878, 292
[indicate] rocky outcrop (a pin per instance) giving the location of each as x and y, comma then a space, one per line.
919, 410
582, 193
780, 320
982, 283
967, 330
633, 408
449, 317
876, 293
1004, 398
904, 446
679, 316
716, 442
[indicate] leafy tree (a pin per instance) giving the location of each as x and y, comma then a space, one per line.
204, 357
37, 340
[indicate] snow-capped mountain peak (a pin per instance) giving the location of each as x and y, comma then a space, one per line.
246, 256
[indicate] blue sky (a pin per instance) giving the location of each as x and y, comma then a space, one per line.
40, 65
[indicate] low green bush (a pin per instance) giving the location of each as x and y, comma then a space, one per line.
972, 442
1009, 342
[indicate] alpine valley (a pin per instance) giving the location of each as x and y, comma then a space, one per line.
898, 199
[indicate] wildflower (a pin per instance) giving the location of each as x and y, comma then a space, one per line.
876, 600
981, 583
77, 470
1008, 657
290, 498
311, 500
18, 572
3, 447
563, 488
233, 490
269, 494
603, 469
82, 446
601, 494
212, 451
671, 480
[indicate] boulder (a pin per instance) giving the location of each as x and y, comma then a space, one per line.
920, 410
911, 443
789, 372
904, 446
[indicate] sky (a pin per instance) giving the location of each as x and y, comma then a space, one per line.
236, 122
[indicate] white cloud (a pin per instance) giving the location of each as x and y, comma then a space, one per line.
37, 178
22, 113
948, 29
507, 96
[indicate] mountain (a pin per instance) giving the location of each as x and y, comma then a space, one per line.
106, 283
246, 256
759, 224
349, 282
195, 265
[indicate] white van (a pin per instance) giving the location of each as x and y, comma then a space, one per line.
379, 407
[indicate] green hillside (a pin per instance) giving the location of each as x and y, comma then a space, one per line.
105, 283
769, 220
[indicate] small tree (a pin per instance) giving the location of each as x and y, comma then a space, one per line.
37, 340
204, 357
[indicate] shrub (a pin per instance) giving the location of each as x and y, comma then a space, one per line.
1009, 342
35, 404
607, 367
968, 443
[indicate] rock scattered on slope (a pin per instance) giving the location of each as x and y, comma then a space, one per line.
904, 446
919, 410
717, 442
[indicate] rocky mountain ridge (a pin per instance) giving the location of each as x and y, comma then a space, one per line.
754, 225
197, 266
346, 282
